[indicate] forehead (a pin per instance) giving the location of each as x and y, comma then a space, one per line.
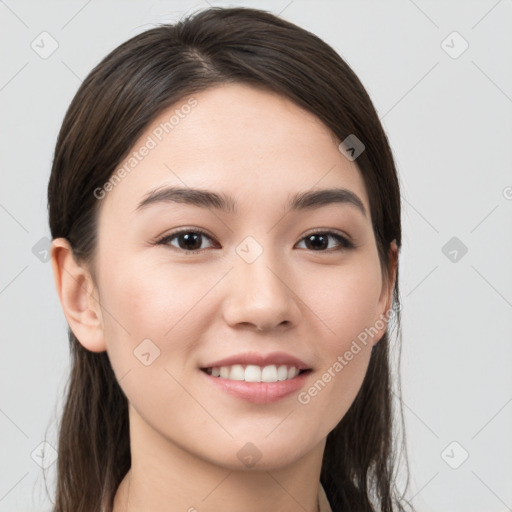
248, 142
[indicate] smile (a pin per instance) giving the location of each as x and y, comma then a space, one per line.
253, 373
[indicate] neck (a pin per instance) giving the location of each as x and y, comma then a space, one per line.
165, 477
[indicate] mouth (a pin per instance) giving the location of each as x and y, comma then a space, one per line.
257, 384
257, 367
253, 373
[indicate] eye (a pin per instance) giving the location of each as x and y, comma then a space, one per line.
187, 239
319, 241
190, 240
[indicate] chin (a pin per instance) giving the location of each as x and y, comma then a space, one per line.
258, 455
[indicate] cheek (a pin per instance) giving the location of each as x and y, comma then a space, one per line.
345, 301
161, 304
150, 331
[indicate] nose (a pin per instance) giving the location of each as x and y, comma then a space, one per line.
260, 295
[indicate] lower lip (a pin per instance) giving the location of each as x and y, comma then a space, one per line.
259, 392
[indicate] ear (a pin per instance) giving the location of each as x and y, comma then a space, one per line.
78, 296
386, 296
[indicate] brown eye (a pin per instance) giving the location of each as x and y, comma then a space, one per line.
319, 241
191, 240
187, 240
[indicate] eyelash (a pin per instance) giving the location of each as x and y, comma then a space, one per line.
345, 243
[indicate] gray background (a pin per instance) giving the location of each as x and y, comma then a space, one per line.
448, 117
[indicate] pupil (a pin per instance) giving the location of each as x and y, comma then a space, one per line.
191, 238
192, 241
318, 241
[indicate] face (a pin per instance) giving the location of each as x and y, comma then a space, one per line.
260, 276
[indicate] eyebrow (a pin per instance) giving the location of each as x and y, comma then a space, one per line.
220, 201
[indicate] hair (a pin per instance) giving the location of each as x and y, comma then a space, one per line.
117, 101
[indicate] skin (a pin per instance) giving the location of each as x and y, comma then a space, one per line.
196, 308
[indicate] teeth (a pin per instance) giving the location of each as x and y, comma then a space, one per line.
236, 373
269, 374
253, 373
282, 373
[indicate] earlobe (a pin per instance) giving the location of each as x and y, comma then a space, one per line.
386, 298
78, 296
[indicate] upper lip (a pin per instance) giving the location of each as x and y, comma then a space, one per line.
276, 358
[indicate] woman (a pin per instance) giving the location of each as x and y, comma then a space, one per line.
225, 215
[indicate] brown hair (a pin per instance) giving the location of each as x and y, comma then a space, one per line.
113, 106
